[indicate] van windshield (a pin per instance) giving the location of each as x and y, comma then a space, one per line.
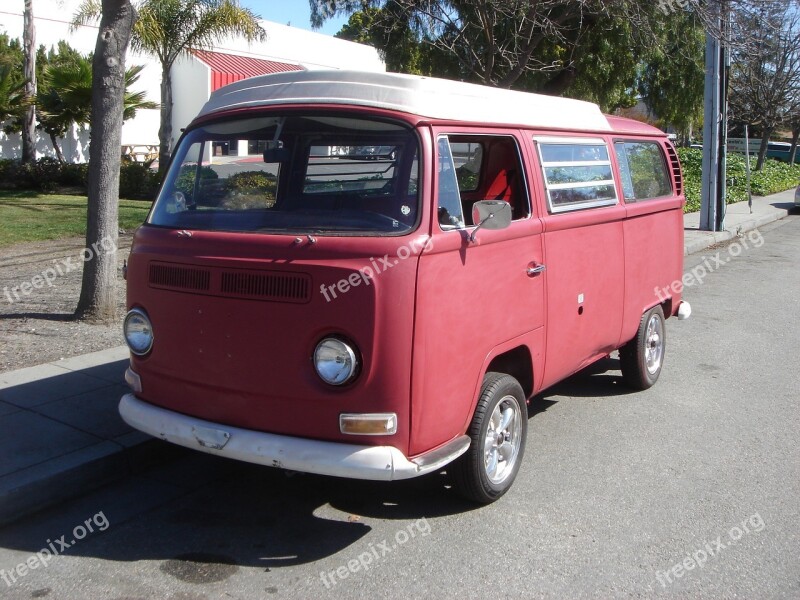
321, 174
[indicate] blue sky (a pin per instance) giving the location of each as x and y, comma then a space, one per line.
295, 12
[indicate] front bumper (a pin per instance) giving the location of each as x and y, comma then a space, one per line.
380, 463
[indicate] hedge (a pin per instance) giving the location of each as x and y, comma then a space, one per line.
776, 176
136, 180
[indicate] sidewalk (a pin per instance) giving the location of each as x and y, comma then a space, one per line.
738, 220
62, 435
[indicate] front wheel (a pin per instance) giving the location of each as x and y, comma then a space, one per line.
641, 359
498, 431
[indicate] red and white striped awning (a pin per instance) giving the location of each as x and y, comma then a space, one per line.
227, 68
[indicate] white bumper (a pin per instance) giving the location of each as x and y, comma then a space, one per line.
383, 463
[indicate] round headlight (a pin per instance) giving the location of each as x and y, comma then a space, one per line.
335, 361
138, 332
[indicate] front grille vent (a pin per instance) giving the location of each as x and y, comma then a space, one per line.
284, 287
178, 277
271, 286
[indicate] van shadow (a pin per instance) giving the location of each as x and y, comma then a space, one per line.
595, 381
236, 515
201, 518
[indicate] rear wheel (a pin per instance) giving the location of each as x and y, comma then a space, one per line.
498, 431
641, 359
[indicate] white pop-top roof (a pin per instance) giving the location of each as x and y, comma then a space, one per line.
424, 96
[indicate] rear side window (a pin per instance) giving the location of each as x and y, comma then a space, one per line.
577, 173
643, 170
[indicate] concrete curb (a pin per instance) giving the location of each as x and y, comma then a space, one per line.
72, 473
706, 239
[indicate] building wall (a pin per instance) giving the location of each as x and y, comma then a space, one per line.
188, 73
190, 88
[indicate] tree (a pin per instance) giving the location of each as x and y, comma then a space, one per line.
543, 45
604, 67
61, 102
65, 95
12, 93
166, 29
29, 116
98, 300
765, 78
672, 79
388, 31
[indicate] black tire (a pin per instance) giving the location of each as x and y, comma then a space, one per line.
642, 358
472, 474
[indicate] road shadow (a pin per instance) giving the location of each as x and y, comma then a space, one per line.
784, 205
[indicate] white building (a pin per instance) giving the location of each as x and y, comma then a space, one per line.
194, 77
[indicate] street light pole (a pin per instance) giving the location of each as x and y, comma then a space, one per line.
712, 208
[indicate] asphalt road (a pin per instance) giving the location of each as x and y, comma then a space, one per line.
687, 490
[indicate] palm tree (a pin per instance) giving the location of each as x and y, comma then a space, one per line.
166, 29
63, 100
29, 116
65, 97
12, 93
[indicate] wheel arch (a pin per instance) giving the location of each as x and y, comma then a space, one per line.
517, 362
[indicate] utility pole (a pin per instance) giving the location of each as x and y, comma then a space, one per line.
715, 122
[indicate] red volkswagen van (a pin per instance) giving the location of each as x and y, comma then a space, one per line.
368, 275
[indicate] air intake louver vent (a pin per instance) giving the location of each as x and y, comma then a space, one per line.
283, 287
676, 169
179, 277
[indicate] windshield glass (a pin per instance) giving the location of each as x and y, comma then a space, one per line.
336, 175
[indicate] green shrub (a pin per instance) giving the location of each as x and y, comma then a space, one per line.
250, 189
137, 181
7, 166
185, 181
75, 175
43, 175
776, 176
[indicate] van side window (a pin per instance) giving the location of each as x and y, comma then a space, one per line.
643, 170
448, 197
489, 168
577, 173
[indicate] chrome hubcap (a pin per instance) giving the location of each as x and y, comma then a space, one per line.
654, 344
501, 445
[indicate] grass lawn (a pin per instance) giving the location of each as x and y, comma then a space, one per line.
30, 217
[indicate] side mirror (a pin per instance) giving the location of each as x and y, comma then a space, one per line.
491, 214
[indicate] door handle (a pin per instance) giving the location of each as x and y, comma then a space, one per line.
535, 269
